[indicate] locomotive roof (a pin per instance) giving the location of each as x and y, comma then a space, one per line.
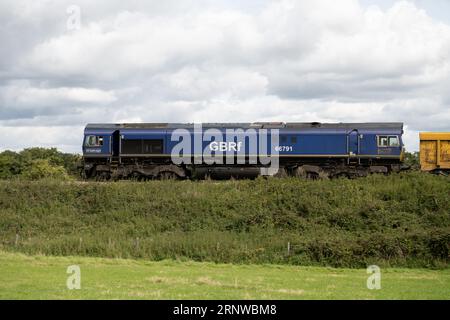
255, 125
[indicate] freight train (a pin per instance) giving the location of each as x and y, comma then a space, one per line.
435, 152
241, 150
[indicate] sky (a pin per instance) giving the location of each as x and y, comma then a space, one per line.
64, 64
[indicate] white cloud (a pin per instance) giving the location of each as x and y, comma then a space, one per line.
211, 61
63, 137
29, 95
21, 100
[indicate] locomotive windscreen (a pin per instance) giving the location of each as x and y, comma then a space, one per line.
141, 146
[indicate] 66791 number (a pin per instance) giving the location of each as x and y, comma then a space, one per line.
283, 148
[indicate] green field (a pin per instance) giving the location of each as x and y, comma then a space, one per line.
261, 239
41, 277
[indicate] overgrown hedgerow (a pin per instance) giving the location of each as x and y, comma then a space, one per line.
398, 220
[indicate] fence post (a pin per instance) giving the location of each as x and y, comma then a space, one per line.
81, 242
289, 248
16, 241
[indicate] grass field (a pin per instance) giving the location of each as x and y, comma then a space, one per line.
41, 277
260, 239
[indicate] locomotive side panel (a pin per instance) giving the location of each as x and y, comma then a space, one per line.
226, 150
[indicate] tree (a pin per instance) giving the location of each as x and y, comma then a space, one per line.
41, 168
52, 155
412, 159
37, 163
10, 164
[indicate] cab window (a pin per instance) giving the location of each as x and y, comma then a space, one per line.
93, 141
393, 141
388, 141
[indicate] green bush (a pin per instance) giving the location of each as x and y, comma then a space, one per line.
38, 163
10, 164
397, 220
41, 168
412, 159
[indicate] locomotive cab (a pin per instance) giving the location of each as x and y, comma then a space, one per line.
98, 149
96, 144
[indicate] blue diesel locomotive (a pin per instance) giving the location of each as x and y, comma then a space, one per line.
224, 150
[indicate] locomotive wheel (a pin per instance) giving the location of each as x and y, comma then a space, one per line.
168, 175
282, 173
300, 173
341, 175
137, 176
312, 176
103, 176
304, 173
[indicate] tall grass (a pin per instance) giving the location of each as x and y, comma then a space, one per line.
399, 220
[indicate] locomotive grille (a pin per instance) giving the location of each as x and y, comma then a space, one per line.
142, 146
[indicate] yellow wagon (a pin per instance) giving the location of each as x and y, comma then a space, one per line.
435, 151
